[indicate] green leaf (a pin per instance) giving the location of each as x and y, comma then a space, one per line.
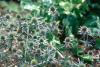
47, 2
49, 36
71, 24
13, 7
95, 32
92, 21
86, 58
34, 61
67, 6
76, 51
77, 1
97, 46
28, 4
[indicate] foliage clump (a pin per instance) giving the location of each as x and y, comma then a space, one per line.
38, 33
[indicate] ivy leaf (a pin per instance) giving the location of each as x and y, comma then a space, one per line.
71, 23
77, 1
97, 46
28, 4
31, 7
25, 2
67, 6
13, 7
92, 21
47, 2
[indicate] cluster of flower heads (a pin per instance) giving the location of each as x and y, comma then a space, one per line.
25, 40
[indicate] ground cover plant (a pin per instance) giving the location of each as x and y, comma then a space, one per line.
49, 33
